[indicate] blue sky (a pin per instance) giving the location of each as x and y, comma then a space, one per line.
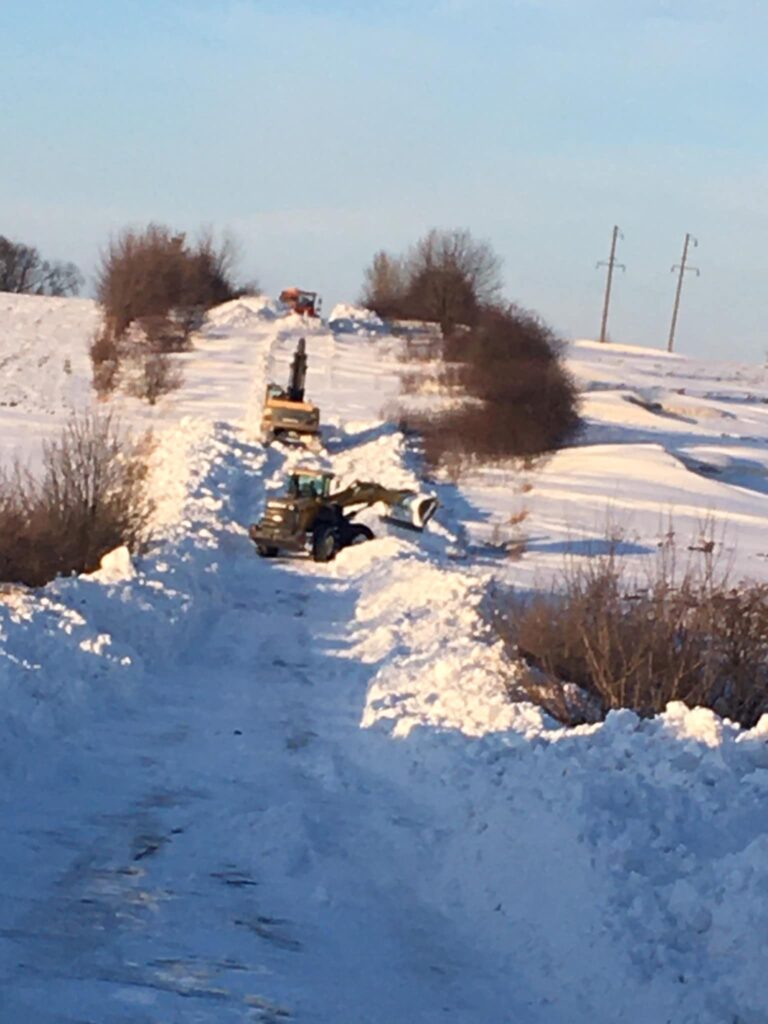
318, 133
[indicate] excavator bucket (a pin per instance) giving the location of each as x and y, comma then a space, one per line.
412, 511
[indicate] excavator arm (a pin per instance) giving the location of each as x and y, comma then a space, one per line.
298, 376
404, 506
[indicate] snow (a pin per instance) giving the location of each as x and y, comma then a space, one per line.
115, 566
44, 367
237, 789
240, 313
347, 319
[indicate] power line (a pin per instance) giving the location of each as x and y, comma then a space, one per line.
682, 268
610, 263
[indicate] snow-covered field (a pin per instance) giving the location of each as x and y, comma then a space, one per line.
245, 790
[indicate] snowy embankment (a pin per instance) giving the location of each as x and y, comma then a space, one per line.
44, 367
250, 790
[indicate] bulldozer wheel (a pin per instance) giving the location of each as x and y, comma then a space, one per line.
357, 533
325, 544
267, 550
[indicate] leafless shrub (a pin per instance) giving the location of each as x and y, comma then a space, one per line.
90, 499
154, 374
384, 286
447, 277
513, 396
105, 354
452, 276
601, 641
509, 537
155, 287
163, 333
155, 272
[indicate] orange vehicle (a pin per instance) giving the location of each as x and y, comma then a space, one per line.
300, 301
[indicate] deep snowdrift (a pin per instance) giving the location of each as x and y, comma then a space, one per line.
237, 789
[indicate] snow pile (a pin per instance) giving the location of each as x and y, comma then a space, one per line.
225, 776
440, 667
240, 313
621, 859
346, 319
115, 567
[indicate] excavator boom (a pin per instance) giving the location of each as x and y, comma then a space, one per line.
404, 506
298, 376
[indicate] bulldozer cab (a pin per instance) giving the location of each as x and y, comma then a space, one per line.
309, 483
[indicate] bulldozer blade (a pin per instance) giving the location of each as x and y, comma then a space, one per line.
413, 511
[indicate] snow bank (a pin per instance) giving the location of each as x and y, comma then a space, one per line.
620, 859
346, 319
231, 775
240, 313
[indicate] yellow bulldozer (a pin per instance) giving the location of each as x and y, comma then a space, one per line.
311, 515
285, 413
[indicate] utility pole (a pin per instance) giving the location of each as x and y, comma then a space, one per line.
611, 263
681, 267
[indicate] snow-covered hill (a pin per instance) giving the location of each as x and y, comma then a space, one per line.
245, 790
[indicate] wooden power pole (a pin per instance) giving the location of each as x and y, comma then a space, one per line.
610, 263
681, 267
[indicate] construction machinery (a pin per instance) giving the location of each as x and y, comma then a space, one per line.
312, 515
301, 301
285, 414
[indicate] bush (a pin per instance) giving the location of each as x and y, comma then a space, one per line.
90, 499
385, 285
105, 362
24, 271
155, 288
156, 273
153, 375
514, 397
447, 277
601, 642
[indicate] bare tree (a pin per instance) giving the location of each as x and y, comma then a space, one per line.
385, 285
155, 288
24, 271
156, 272
457, 252
447, 277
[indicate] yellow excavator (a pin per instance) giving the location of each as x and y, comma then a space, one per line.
312, 515
285, 414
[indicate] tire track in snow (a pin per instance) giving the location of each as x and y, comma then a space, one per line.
226, 813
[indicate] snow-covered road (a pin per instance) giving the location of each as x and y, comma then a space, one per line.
246, 790
225, 849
